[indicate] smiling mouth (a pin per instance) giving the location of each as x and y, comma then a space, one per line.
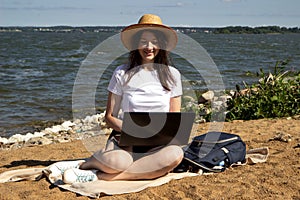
149, 53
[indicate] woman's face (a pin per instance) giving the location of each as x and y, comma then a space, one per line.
148, 47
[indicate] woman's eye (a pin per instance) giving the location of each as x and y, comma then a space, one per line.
155, 42
144, 42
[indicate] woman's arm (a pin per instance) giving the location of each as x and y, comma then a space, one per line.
112, 110
175, 104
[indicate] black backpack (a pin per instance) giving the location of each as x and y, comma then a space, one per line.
212, 152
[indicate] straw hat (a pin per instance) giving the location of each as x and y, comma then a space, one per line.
150, 22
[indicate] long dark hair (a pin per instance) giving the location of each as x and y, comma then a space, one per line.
162, 60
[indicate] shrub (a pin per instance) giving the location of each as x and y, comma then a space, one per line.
275, 95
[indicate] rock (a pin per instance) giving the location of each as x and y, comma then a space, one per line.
15, 146
16, 138
67, 125
3, 140
87, 120
95, 119
38, 141
54, 129
63, 140
63, 127
27, 137
207, 96
296, 117
71, 132
46, 132
199, 121
282, 137
77, 121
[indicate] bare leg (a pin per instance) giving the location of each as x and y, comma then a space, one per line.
110, 160
150, 166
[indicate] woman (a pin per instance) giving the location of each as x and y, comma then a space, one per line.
147, 83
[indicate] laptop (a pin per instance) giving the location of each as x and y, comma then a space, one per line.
156, 128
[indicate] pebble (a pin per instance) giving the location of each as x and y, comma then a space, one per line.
282, 137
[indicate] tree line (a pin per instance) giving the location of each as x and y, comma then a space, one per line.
221, 30
256, 30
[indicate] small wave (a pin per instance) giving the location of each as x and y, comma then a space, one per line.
32, 73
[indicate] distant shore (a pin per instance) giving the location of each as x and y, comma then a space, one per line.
186, 30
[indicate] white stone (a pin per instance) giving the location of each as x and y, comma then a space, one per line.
54, 129
16, 138
77, 121
39, 141
27, 137
46, 131
209, 95
95, 119
67, 125
3, 140
87, 119
38, 134
102, 115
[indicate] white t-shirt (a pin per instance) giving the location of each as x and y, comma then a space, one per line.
144, 92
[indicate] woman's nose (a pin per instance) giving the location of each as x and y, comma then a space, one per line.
149, 45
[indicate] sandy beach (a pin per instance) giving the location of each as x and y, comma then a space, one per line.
278, 178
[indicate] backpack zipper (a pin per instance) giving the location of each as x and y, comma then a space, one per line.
219, 141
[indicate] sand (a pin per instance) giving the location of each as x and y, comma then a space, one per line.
278, 178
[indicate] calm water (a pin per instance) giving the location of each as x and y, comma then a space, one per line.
38, 70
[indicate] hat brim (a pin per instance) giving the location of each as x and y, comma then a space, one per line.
130, 31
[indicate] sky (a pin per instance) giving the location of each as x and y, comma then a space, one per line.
194, 13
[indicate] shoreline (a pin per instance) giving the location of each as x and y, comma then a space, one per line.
67, 131
79, 129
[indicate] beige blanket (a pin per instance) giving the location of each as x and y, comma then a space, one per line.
96, 188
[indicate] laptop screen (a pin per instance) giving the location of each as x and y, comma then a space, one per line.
156, 128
